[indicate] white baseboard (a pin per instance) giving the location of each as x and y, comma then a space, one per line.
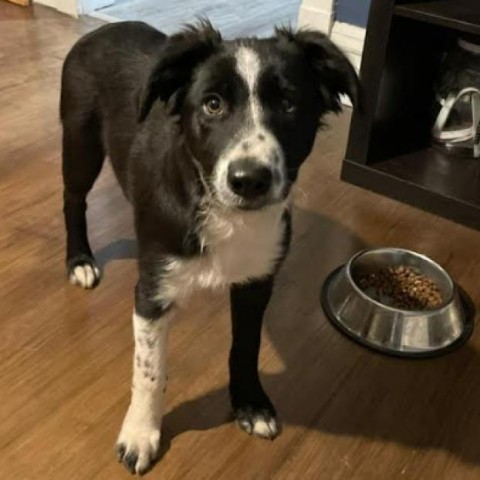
349, 38
317, 14
70, 7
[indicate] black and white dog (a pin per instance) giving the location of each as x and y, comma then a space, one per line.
206, 138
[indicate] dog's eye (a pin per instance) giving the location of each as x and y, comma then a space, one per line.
287, 106
213, 105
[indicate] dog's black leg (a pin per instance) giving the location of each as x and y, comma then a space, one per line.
83, 157
253, 410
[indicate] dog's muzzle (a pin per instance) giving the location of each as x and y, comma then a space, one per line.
249, 179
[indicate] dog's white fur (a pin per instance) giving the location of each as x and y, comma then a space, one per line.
266, 150
141, 427
238, 246
248, 66
261, 427
85, 276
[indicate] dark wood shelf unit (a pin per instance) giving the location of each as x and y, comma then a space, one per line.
428, 179
463, 15
389, 149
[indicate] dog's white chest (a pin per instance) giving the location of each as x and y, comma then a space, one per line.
238, 246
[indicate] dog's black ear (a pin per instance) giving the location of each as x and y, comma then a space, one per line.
333, 71
182, 53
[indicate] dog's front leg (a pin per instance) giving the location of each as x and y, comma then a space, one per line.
253, 409
139, 440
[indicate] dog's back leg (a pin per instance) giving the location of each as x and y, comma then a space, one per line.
83, 157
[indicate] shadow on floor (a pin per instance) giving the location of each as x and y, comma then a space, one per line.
122, 249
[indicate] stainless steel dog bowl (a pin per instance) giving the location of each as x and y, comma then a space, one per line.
405, 333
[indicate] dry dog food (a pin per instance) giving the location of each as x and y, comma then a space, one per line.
402, 287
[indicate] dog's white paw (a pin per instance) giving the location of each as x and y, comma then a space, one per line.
138, 444
259, 423
265, 428
85, 274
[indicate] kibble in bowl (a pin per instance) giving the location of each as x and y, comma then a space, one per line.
401, 280
402, 287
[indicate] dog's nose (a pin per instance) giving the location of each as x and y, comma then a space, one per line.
249, 179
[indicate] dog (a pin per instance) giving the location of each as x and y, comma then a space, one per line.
206, 138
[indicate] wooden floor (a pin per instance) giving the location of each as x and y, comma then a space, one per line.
65, 354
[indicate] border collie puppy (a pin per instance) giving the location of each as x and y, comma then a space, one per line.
206, 138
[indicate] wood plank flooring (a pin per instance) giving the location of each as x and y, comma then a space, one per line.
65, 354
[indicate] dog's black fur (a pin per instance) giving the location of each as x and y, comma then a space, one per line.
134, 94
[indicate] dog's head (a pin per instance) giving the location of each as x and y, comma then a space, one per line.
249, 109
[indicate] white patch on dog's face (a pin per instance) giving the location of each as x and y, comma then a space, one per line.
255, 140
248, 66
